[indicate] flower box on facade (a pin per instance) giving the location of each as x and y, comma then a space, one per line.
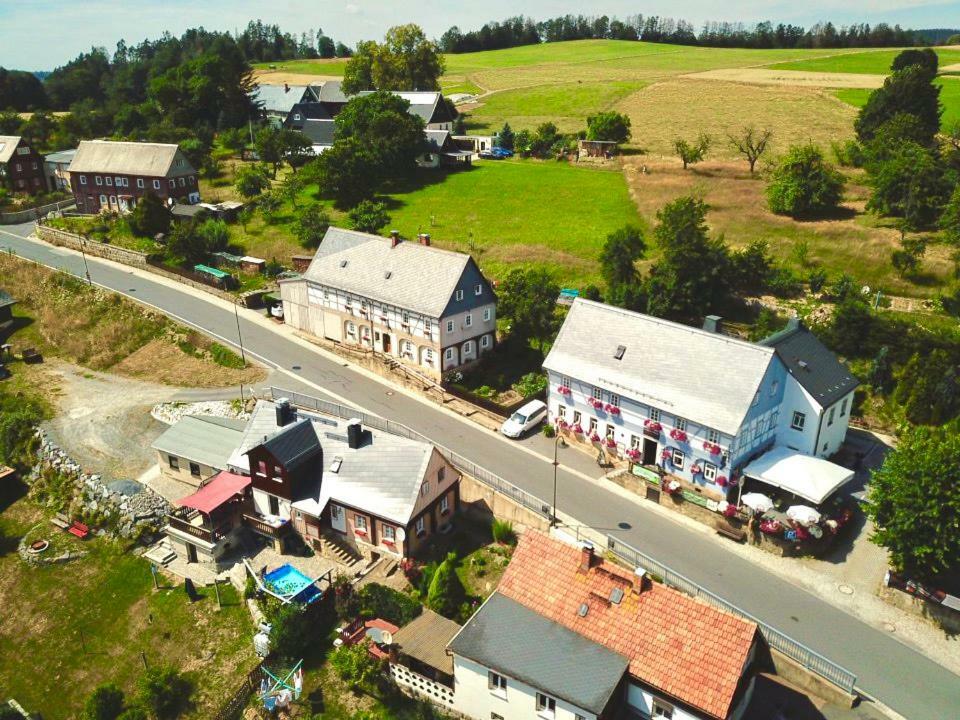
564, 390
577, 430
612, 409
633, 454
652, 428
711, 448
678, 435
611, 443
361, 533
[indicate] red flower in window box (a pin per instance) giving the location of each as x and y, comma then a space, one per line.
696, 470
667, 454
721, 480
389, 543
577, 430
678, 435
611, 443
564, 390
561, 423
360, 531
633, 454
612, 409
595, 404
595, 438
652, 426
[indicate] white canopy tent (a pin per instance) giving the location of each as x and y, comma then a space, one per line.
808, 477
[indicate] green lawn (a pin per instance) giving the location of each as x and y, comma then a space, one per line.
949, 97
867, 62
307, 67
568, 105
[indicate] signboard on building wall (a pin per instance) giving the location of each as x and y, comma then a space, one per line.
646, 474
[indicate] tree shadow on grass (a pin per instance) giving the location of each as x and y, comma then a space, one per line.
841, 212
19, 322
419, 180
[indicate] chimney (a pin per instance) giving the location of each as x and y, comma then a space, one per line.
425, 239
394, 238
713, 323
286, 88
354, 434
586, 556
641, 576
284, 412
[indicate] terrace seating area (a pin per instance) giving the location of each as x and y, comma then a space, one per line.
379, 632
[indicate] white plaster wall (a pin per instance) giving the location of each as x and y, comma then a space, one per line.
477, 327
261, 501
832, 436
473, 698
795, 398
642, 699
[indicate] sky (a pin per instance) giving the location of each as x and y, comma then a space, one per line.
43, 34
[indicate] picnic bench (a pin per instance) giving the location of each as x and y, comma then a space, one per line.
727, 530
60, 521
79, 529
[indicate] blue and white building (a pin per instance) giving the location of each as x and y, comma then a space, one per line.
695, 402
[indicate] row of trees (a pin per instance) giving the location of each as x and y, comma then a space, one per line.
262, 42
521, 30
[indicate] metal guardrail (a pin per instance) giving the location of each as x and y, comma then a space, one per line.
795, 650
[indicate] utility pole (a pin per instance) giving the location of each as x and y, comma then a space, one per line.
86, 268
556, 464
236, 314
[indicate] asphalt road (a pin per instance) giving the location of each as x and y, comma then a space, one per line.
887, 669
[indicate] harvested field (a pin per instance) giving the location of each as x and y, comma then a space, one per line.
683, 107
279, 77
738, 211
791, 78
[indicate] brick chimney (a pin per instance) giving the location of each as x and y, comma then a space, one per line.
425, 239
394, 238
641, 576
286, 88
586, 556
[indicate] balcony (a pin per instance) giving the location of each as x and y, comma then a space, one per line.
260, 525
196, 525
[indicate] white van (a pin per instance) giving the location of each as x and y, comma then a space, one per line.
527, 417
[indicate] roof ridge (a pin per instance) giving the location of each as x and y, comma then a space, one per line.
403, 242
130, 142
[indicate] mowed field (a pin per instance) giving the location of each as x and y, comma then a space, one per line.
949, 98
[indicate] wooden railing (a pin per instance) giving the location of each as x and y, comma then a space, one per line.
265, 528
201, 533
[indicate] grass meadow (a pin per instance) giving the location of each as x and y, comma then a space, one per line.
868, 62
949, 97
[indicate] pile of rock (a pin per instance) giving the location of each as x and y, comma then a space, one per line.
171, 413
128, 505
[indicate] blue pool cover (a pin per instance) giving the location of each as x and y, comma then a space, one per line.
286, 580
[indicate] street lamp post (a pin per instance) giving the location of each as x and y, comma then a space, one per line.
86, 268
556, 464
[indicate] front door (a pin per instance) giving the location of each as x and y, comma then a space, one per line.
649, 451
387, 348
338, 519
191, 553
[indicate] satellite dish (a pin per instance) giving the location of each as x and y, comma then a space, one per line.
401, 534
386, 637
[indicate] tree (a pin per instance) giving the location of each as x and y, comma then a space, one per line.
354, 664
406, 60
910, 183
234, 139
528, 298
544, 139
297, 148
906, 259
346, 172
950, 219
609, 125
149, 217
268, 142
251, 181
692, 272
618, 267
312, 225
369, 216
165, 692
914, 502
880, 373
506, 137
196, 150
751, 267
104, 703
925, 58
214, 233
382, 124
290, 635
804, 184
751, 143
691, 153
911, 91
446, 592
928, 388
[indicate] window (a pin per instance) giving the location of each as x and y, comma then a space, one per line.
425, 488
103, 199
830, 416
468, 347
774, 386
709, 472
405, 318
609, 432
113, 199
172, 183
118, 182
140, 182
597, 394
662, 710
360, 522
576, 417
713, 437
485, 341
444, 505
83, 179
458, 295
277, 471
546, 705
593, 425
156, 184
487, 314
109, 181
654, 414
194, 469
678, 458
478, 289
468, 320
262, 468
798, 420
296, 116
441, 474
33, 166
174, 462
634, 442
680, 424
389, 533
19, 167
449, 354
615, 400
565, 382
843, 407
183, 182
23, 150
99, 180
497, 684
420, 527
561, 412
193, 181
274, 502
449, 325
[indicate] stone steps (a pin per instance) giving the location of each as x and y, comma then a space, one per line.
341, 552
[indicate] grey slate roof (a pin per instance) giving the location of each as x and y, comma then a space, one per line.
319, 132
517, 642
280, 99
426, 105
202, 439
436, 139
817, 369
293, 445
331, 91
129, 158
698, 375
422, 279
63, 157
8, 143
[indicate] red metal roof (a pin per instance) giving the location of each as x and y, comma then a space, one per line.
223, 486
689, 650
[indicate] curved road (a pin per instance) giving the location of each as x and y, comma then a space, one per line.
889, 670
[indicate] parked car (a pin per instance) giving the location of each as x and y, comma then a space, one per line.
490, 155
524, 419
502, 152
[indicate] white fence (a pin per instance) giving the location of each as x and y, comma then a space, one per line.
426, 688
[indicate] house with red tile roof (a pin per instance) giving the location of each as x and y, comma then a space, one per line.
570, 636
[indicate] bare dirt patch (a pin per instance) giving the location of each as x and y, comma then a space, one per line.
950, 68
791, 78
279, 77
683, 107
159, 361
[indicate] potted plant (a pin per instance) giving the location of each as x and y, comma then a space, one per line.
695, 469
633, 454
577, 430
721, 480
666, 455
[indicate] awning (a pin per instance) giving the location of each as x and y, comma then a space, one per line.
222, 488
808, 477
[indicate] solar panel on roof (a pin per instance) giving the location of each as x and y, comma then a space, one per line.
621, 349
582, 612
616, 595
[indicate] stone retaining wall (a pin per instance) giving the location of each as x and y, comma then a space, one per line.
65, 239
22, 216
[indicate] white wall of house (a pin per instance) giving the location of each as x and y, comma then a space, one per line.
834, 422
474, 698
261, 501
462, 326
798, 400
643, 700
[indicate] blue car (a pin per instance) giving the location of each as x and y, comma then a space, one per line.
502, 152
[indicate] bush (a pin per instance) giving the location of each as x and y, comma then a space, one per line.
312, 225
548, 430
380, 601
165, 692
133, 713
803, 184
817, 279
226, 357
502, 532
104, 703
531, 384
369, 217
149, 217
290, 636
446, 592
214, 234
783, 282
354, 664
251, 181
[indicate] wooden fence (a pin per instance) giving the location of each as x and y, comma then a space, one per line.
232, 708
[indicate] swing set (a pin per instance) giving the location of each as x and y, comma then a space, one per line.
278, 694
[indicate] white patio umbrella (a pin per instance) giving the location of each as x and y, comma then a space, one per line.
803, 514
757, 501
